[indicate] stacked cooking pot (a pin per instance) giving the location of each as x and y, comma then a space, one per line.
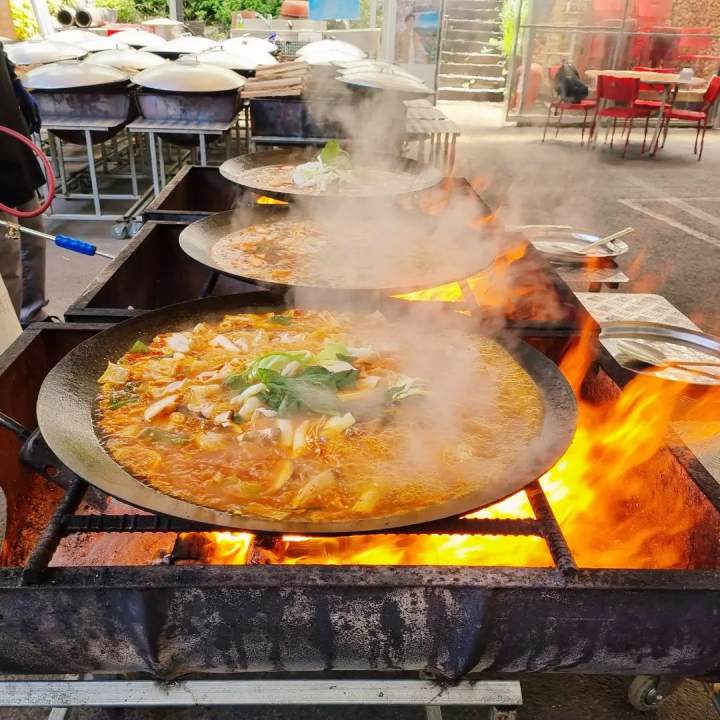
116, 81
197, 92
344, 90
73, 92
241, 55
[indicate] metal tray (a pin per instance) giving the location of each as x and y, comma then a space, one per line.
673, 341
544, 238
235, 169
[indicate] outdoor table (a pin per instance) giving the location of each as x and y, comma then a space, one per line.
670, 82
201, 128
425, 122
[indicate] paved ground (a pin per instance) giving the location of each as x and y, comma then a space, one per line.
672, 201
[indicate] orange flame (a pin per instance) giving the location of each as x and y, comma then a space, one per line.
618, 497
577, 359
265, 200
230, 548
476, 287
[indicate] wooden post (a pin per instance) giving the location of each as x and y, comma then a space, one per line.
6, 24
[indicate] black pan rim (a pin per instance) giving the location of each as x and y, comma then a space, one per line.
66, 403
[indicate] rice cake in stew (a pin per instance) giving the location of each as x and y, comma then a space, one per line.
316, 416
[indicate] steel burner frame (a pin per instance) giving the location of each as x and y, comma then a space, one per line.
172, 620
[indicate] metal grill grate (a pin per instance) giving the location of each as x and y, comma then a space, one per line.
65, 522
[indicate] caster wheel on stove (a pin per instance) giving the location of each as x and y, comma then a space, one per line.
120, 231
643, 693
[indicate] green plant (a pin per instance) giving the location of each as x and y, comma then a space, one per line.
126, 10
132, 11
211, 11
207, 10
23, 18
152, 8
225, 8
509, 18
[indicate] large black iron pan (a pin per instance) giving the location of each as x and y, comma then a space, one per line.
68, 394
427, 176
457, 262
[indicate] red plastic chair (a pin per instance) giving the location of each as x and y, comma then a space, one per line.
623, 93
649, 87
712, 95
584, 106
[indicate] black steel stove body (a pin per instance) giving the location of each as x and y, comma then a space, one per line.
172, 620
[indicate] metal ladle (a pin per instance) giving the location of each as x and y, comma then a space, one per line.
607, 239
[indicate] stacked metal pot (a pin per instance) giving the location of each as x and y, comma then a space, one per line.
191, 79
78, 77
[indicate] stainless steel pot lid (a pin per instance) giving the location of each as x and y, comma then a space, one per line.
65, 75
230, 60
39, 52
347, 67
188, 44
327, 52
248, 42
385, 78
87, 40
128, 60
163, 22
174, 77
139, 39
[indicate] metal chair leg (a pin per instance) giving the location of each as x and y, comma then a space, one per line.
591, 133
612, 137
664, 132
547, 122
592, 143
702, 141
582, 133
627, 139
697, 135
647, 123
557, 129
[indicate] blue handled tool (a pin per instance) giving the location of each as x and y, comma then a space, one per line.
63, 241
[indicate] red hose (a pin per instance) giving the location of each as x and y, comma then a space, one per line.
49, 174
